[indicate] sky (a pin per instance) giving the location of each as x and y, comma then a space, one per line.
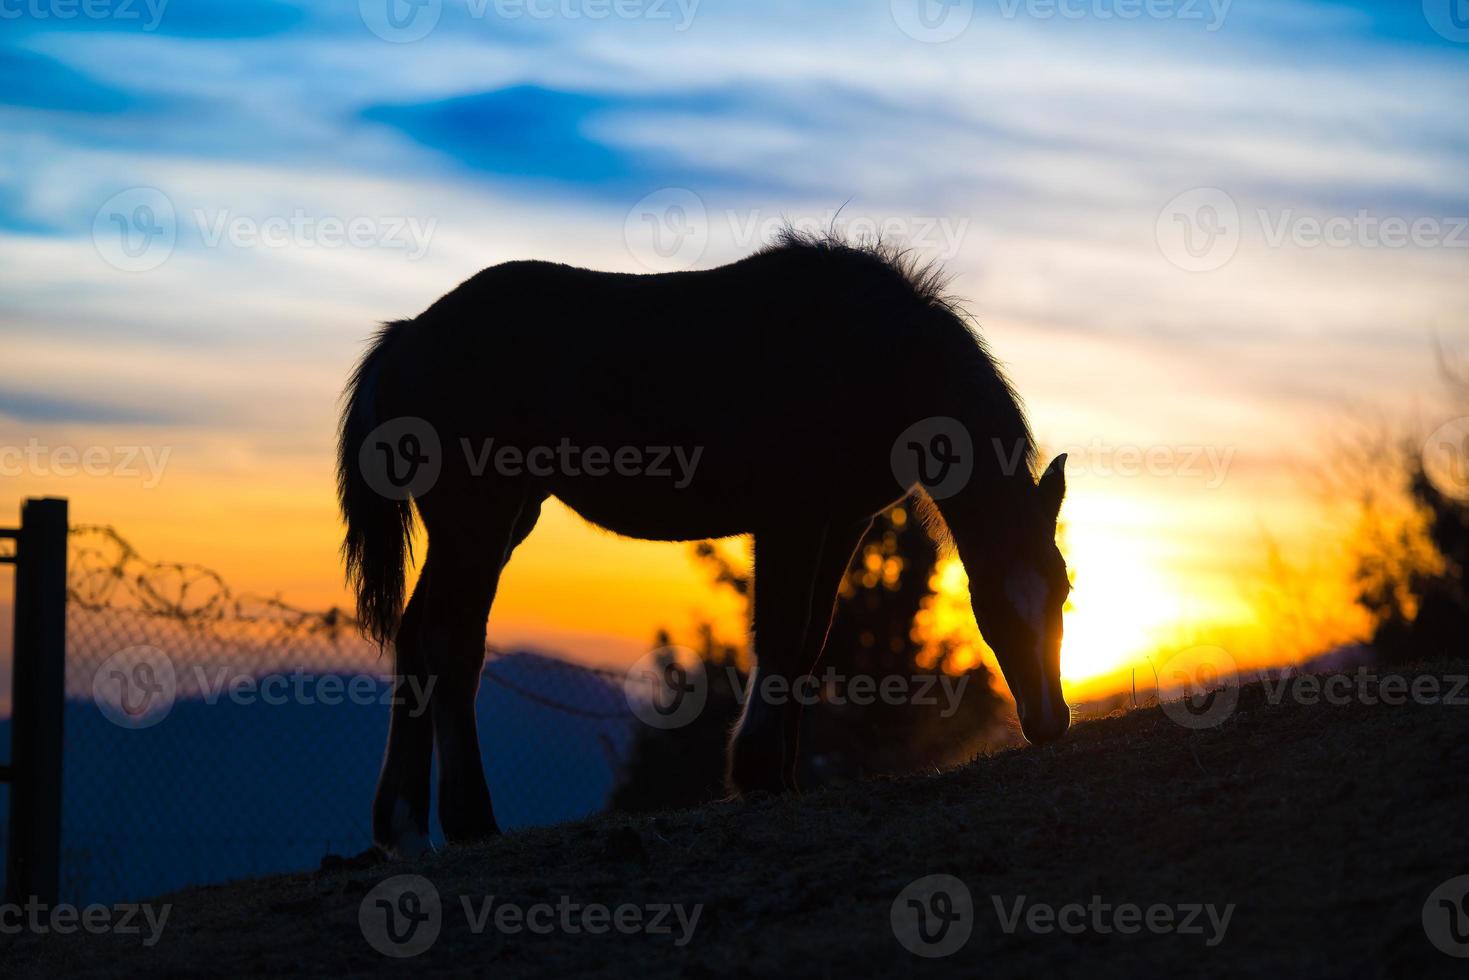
1201, 237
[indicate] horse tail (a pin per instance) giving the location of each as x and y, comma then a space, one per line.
377, 545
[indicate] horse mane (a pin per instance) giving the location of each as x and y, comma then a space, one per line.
929, 283
927, 278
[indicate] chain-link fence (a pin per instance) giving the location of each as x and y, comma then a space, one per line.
210, 735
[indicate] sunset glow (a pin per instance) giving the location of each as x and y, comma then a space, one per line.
1036, 166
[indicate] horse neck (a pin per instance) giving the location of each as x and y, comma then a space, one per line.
983, 515
992, 502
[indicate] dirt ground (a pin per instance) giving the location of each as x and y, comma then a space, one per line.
1325, 826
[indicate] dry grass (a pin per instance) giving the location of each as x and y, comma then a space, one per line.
1326, 826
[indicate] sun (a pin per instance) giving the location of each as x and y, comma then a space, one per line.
1126, 601
1119, 605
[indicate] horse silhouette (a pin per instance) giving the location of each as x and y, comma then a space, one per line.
506, 390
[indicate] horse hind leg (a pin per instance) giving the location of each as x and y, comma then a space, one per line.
463, 567
401, 805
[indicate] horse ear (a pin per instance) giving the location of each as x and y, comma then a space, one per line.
1052, 486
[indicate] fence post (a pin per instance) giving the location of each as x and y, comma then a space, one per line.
37, 694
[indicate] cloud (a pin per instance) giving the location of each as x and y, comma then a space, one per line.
184, 18
27, 406
546, 136
38, 82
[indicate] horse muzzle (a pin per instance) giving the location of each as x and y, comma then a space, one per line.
1046, 724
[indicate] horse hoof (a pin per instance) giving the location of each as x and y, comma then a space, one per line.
408, 849
749, 786
404, 841
462, 838
369, 858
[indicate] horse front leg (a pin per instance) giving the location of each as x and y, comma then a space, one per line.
837, 548
762, 750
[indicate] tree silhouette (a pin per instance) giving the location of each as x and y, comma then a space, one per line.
872, 635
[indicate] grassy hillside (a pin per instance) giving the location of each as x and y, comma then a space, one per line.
1325, 826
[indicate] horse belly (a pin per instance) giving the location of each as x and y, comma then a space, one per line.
657, 508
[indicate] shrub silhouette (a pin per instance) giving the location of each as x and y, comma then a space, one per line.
1417, 601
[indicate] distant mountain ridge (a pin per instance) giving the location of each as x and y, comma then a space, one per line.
228, 790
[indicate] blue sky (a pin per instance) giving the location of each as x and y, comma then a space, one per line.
1078, 124
1040, 148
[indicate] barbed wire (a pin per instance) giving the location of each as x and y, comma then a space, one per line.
197, 799
106, 572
